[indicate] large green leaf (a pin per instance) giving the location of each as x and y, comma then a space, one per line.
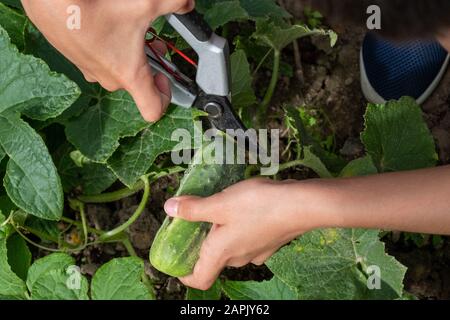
335, 264
243, 94
136, 155
97, 131
11, 286
397, 137
120, 279
31, 180
274, 289
38, 46
28, 86
14, 23
276, 37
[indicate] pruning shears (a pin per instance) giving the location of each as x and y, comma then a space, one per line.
211, 90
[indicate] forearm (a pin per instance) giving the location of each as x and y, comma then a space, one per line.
416, 201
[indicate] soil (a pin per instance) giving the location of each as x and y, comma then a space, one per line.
332, 85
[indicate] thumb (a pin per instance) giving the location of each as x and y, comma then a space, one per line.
195, 209
151, 94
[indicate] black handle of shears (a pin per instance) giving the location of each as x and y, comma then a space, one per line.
194, 22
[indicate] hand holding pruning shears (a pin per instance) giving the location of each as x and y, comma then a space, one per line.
109, 48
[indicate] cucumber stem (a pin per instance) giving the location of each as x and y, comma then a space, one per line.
111, 234
262, 113
127, 192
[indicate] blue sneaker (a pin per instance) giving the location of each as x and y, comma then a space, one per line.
391, 70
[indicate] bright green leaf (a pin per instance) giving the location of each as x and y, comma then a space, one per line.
31, 180
397, 137
335, 264
252, 290
120, 279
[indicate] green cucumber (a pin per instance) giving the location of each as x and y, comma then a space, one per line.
177, 244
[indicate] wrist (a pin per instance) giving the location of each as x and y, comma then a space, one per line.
317, 204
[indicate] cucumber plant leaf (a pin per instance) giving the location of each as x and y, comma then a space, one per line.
278, 37
243, 94
53, 285
42, 266
336, 264
359, 167
11, 285
136, 155
397, 137
96, 132
91, 178
224, 12
273, 289
19, 255
14, 23
212, 294
31, 180
28, 86
120, 279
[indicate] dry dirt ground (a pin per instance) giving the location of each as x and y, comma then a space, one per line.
332, 86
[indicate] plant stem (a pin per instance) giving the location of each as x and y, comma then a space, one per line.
113, 196
80, 225
262, 113
84, 224
145, 279
134, 217
127, 192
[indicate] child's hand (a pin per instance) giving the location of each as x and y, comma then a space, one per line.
252, 220
109, 46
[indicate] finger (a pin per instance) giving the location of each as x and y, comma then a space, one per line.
196, 209
259, 261
208, 267
88, 76
160, 47
177, 6
152, 98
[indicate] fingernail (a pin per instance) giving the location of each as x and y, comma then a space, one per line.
171, 207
